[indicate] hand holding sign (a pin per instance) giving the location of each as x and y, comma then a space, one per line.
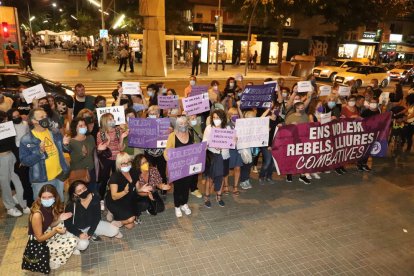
131, 88
36, 91
344, 91
304, 86
325, 90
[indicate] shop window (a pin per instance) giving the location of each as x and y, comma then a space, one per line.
224, 45
255, 47
274, 50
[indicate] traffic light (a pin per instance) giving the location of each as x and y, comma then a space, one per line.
5, 29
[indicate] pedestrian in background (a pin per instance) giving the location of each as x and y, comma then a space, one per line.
223, 59
195, 64
27, 57
131, 57
89, 59
123, 58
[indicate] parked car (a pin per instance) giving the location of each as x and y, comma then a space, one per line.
363, 75
399, 73
336, 66
12, 79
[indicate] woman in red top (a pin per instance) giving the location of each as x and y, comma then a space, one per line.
349, 110
89, 58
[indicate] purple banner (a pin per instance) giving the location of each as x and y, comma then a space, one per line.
257, 96
148, 133
312, 147
196, 104
198, 89
186, 161
222, 138
167, 102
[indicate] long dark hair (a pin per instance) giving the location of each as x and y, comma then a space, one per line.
136, 163
222, 116
72, 189
74, 125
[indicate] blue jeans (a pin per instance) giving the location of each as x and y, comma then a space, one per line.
266, 170
245, 172
55, 182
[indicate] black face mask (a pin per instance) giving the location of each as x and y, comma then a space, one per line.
17, 121
44, 123
84, 194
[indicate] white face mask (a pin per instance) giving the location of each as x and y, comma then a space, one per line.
284, 94
125, 169
231, 84
193, 122
373, 105
351, 104
192, 82
217, 122
215, 87
152, 116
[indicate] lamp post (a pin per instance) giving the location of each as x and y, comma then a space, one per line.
30, 21
248, 38
104, 39
218, 34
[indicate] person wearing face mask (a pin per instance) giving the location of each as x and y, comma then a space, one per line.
214, 92
195, 130
53, 116
81, 100
231, 87
42, 151
296, 97
192, 82
350, 110
139, 103
121, 198
180, 137
100, 102
152, 92
172, 112
21, 104
218, 167
81, 148
109, 141
46, 228
85, 223
91, 122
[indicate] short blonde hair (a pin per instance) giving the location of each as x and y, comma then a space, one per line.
105, 118
122, 157
154, 108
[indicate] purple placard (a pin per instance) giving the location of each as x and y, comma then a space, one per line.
198, 89
312, 147
222, 138
186, 161
258, 96
196, 104
167, 102
148, 132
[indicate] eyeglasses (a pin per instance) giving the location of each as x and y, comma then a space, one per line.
126, 164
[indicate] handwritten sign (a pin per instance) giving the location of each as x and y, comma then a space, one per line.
131, 88
117, 111
33, 92
257, 96
325, 90
148, 132
196, 104
186, 161
252, 132
344, 91
326, 118
198, 89
222, 138
304, 86
7, 130
167, 102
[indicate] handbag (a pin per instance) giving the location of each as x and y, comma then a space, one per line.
80, 174
157, 205
36, 256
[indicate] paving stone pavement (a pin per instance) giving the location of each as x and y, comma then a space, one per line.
339, 225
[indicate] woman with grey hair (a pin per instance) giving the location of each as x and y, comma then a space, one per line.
180, 137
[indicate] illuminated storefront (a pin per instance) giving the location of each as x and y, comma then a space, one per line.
274, 51
363, 48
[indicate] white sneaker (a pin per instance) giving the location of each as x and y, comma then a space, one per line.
178, 212
54, 265
308, 176
76, 252
26, 210
102, 205
14, 212
186, 209
243, 185
316, 176
248, 185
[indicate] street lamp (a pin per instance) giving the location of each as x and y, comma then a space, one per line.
54, 5
32, 18
73, 17
96, 3
119, 21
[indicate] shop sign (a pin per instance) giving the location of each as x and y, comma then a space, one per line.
369, 36
388, 47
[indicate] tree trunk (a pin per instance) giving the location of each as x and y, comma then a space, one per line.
280, 47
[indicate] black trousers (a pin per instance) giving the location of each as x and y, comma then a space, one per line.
194, 68
122, 61
106, 166
181, 190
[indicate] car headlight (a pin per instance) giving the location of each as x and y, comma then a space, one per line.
69, 92
349, 78
325, 71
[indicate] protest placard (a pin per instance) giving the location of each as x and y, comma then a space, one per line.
33, 92
167, 102
304, 86
344, 91
326, 118
222, 138
196, 104
312, 147
257, 96
198, 89
7, 130
117, 111
252, 132
271, 82
238, 77
148, 133
325, 90
186, 161
131, 88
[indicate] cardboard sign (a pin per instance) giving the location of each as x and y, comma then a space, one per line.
198, 89
33, 92
304, 86
196, 104
148, 132
222, 138
257, 96
117, 111
131, 88
252, 132
344, 91
186, 161
7, 130
326, 118
167, 102
325, 90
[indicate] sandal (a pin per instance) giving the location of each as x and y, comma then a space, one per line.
236, 192
226, 190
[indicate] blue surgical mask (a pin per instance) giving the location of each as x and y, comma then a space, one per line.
125, 169
152, 116
193, 122
112, 124
82, 130
164, 90
331, 105
150, 93
48, 202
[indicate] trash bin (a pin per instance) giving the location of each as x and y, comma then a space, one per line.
304, 65
286, 68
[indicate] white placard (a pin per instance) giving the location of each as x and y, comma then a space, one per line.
33, 92
325, 90
304, 86
131, 88
117, 111
252, 132
270, 82
326, 117
344, 91
7, 130
238, 77
384, 98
